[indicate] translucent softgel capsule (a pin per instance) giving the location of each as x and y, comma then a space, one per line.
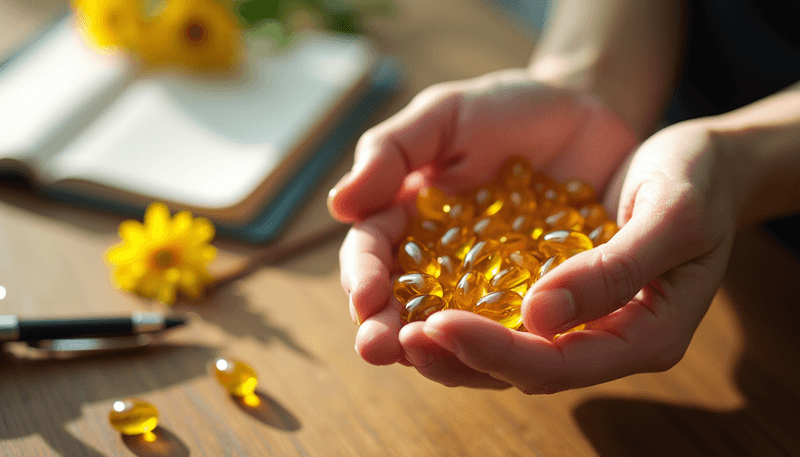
470, 288
412, 285
456, 241
419, 308
236, 377
516, 173
503, 307
431, 204
513, 278
449, 270
566, 242
485, 257
133, 416
564, 218
416, 258
579, 191
602, 233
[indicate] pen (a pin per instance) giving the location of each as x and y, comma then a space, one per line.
14, 329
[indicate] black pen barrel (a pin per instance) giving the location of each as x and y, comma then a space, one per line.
53, 329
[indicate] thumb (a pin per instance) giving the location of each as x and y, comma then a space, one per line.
387, 153
596, 282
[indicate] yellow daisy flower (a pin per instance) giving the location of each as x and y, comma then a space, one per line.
110, 23
195, 34
163, 256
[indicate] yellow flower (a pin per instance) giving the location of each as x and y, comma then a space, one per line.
195, 34
110, 23
164, 255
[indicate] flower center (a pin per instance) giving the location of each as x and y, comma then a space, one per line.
164, 259
195, 33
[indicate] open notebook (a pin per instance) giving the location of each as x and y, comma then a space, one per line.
93, 130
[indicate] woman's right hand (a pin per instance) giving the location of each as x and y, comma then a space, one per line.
455, 136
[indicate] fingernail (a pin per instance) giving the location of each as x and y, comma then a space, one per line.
335, 190
441, 339
354, 314
555, 309
418, 358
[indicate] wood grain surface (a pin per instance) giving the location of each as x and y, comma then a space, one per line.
736, 391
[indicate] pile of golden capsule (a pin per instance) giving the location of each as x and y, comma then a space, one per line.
482, 251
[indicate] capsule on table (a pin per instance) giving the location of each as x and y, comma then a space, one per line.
485, 257
564, 241
133, 416
416, 258
421, 307
513, 278
237, 377
469, 289
504, 307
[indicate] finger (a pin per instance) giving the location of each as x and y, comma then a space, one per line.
596, 282
630, 344
388, 152
440, 365
366, 259
377, 339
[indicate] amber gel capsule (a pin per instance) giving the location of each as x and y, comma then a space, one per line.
412, 285
470, 288
564, 242
133, 416
414, 257
238, 378
419, 308
504, 307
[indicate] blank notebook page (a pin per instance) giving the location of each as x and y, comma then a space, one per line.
211, 142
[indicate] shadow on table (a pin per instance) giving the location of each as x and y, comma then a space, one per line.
267, 410
52, 392
164, 444
763, 283
228, 309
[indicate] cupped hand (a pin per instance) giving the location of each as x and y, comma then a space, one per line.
454, 136
642, 294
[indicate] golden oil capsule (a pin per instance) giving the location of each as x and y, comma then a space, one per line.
519, 201
431, 203
564, 218
603, 232
419, 308
457, 241
504, 307
425, 231
449, 270
469, 289
579, 192
412, 285
516, 173
531, 225
487, 200
513, 278
459, 211
490, 227
549, 192
237, 377
523, 259
574, 329
133, 416
548, 265
564, 241
513, 241
593, 215
485, 257
416, 258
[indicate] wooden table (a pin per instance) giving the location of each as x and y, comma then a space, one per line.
737, 390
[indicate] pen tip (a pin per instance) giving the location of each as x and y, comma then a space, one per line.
174, 321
